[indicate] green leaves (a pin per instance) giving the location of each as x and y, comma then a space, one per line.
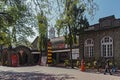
42, 29
15, 20
42, 23
73, 20
20, 15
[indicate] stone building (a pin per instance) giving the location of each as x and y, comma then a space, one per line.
102, 40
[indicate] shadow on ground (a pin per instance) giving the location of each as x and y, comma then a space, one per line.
102, 72
8, 75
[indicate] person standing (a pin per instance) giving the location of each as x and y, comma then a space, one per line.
107, 67
97, 65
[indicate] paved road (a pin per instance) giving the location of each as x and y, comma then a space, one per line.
50, 73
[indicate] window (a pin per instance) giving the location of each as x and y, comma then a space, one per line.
89, 47
107, 47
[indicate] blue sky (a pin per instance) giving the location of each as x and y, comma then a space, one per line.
106, 8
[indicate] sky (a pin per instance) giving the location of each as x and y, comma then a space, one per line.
106, 8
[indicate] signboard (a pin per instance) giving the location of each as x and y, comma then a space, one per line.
75, 53
43, 60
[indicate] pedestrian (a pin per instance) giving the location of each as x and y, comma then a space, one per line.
107, 67
78, 63
66, 63
97, 65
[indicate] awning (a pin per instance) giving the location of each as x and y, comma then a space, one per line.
65, 50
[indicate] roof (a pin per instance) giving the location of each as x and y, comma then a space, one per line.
108, 22
112, 17
35, 40
61, 38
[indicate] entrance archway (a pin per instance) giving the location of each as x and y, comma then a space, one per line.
25, 56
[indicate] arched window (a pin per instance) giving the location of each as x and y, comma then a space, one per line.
89, 49
107, 47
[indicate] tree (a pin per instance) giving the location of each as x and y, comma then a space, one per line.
42, 29
15, 21
73, 18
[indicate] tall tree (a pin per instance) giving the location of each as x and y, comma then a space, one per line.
73, 18
42, 29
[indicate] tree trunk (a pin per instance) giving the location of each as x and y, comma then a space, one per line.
70, 36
